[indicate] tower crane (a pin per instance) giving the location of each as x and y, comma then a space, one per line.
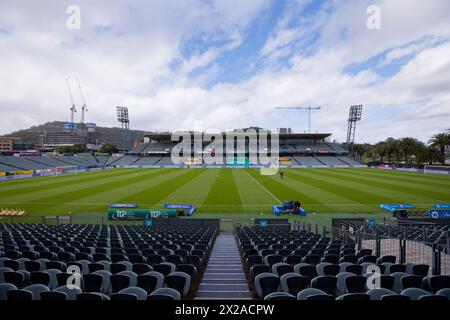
84, 107
73, 109
307, 109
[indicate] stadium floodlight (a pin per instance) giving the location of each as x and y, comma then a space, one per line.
123, 118
122, 115
354, 116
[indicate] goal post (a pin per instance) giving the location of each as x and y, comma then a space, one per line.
59, 170
436, 169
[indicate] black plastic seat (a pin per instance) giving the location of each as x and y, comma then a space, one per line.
355, 284
325, 283
141, 268
258, 269
92, 282
39, 277
293, 259
15, 278
117, 267
119, 282
53, 296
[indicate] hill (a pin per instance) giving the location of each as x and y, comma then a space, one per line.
106, 135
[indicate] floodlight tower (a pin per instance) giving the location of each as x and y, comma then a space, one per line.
73, 109
354, 116
308, 109
122, 117
84, 107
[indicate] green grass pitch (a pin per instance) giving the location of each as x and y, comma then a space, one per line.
240, 194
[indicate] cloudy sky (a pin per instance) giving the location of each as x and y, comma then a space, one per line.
220, 64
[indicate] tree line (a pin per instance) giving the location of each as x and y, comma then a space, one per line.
406, 150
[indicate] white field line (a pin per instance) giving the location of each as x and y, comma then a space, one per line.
258, 183
203, 205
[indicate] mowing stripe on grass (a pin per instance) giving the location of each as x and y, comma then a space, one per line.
357, 190
394, 184
194, 191
81, 191
319, 191
48, 184
156, 192
262, 187
114, 195
223, 191
407, 176
29, 182
283, 190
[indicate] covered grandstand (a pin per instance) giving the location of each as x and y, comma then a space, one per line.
310, 150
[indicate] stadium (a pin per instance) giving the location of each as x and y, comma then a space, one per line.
253, 213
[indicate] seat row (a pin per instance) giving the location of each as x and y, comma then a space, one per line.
41, 292
101, 281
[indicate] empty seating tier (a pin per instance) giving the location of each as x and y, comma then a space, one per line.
300, 265
99, 262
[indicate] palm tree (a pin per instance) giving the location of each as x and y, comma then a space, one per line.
428, 155
440, 141
409, 147
380, 149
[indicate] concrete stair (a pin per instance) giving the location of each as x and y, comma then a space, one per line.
224, 277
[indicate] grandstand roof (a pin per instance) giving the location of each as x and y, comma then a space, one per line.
315, 136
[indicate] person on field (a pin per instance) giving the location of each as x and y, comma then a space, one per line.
281, 174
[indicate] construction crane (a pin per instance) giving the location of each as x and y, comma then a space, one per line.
308, 109
73, 109
84, 107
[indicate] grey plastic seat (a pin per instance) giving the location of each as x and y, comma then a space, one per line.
432, 297
91, 296
280, 296
398, 287
281, 268
414, 293
299, 265
444, 292
266, 283
384, 281
150, 281
105, 263
131, 275
411, 281
2, 271
128, 265
53, 280
140, 293
325, 283
179, 281
4, 288
2, 260
354, 296
164, 294
106, 286
309, 292
369, 266
377, 294
21, 262
71, 292
84, 265
320, 266
165, 268
293, 283
340, 285
36, 290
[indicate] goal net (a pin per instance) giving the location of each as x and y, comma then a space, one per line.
433, 169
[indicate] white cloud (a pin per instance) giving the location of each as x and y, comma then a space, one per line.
124, 55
